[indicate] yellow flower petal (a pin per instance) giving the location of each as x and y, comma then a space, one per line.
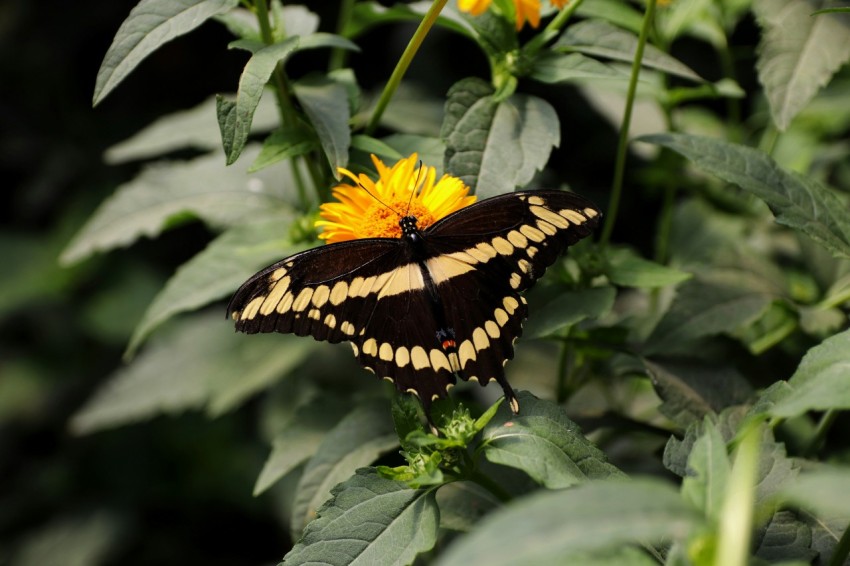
372, 209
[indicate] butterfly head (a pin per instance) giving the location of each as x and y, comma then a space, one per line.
408, 226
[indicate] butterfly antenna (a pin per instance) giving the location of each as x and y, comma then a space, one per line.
415, 186
368, 192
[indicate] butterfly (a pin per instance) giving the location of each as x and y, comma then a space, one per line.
437, 303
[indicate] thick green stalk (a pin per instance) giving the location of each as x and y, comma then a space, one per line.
825, 423
338, 55
737, 511
552, 28
285, 106
622, 145
404, 62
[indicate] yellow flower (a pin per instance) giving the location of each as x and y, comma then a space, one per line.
372, 209
525, 10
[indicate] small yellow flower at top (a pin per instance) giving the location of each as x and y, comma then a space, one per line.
526, 10
372, 209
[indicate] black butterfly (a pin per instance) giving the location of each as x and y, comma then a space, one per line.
437, 303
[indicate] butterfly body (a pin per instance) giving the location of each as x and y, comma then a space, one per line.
435, 304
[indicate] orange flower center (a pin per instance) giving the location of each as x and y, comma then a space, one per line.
382, 222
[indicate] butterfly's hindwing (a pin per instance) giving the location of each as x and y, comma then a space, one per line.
421, 314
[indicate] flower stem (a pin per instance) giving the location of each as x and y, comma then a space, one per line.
338, 55
404, 62
622, 146
552, 28
821, 431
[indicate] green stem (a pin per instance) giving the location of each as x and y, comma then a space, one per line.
622, 146
825, 423
339, 55
404, 62
552, 28
565, 363
842, 549
737, 510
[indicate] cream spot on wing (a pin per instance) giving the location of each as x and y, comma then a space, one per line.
510, 304
439, 360
472, 378
402, 356
590, 213
479, 256
286, 303
532, 233
522, 300
385, 352
487, 250
466, 352
524, 265
502, 246
347, 328
546, 228
531, 251
479, 338
315, 314
412, 391
517, 239
444, 267
356, 351
339, 293
354, 286
492, 329
251, 309
330, 320
302, 300
388, 378
537, 201
277, 274
370, 347
501, 317
515, 280
454, 361
320, 296
550, 216
419, 358
274, 296
572, 216
401, 280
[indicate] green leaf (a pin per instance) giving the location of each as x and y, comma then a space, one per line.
825, 491
545, 444
356, 441
708, 472
151, 24
326, 104
430, 149
553, 68
71, 539
785, 538
798, 54
463, 504
200, 363
234, 118
492, 147
601, 39
691, 390
797, 201
594, 516
618, 13
369, 520
217, 271
569, 308
820, 382
282, 144
166, 193
299, 440
625, 267
703, 308
195, 128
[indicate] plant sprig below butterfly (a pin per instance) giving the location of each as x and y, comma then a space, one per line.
426, 286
